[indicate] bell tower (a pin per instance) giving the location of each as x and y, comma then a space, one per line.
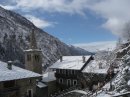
33, 56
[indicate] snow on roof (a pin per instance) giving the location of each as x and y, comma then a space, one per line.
120, 94
103, 95
41, 85
93, 67
48, 77
15, 73
106, 86
70, 62
128, 83
79, 91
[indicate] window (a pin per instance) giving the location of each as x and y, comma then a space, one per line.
68, 82
57, 70
29, 57
60, 71
74, 82
30, 81
64, 71
37, 58
61, 81
8, 84
67, 72
73, 71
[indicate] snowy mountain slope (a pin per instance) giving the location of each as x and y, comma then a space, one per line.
14, 39
120, 84
98, 46
79, 51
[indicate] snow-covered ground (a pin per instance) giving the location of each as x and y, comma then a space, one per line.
98, 46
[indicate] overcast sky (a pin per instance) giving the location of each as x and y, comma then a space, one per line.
75, 21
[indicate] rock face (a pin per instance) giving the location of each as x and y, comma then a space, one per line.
14, 39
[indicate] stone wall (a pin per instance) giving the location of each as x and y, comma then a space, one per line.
25, 85
21, 87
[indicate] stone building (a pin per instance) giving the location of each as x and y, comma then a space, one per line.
68, 71
48, 86
96, 74
41, 89
33, 62
17, 82
33, 56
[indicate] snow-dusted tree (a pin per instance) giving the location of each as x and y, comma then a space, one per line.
119, 43
126, 31
123, 77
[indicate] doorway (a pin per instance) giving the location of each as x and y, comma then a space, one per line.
68, 82
30, 93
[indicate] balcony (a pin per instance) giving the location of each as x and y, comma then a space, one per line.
72, 76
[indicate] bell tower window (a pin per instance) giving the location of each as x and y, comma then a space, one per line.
37, 58
28, 57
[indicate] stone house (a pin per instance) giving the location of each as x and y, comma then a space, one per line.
96, 74
17, 82
68, 70
47, 86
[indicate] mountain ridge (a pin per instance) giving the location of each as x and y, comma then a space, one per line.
14, 39
98, 46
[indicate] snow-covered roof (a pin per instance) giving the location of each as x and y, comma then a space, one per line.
70, 62
120, 94
103, 95
15, 73
41, 85
48, 77
93, 67
128, 83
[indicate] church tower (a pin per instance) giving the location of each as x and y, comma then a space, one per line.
33, 56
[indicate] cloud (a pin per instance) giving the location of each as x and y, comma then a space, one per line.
66, 6
115, 12
8, 7
39, 22
98, 46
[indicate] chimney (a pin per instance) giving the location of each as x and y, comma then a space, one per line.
100, 65
9, 66
61, 58
83, 57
